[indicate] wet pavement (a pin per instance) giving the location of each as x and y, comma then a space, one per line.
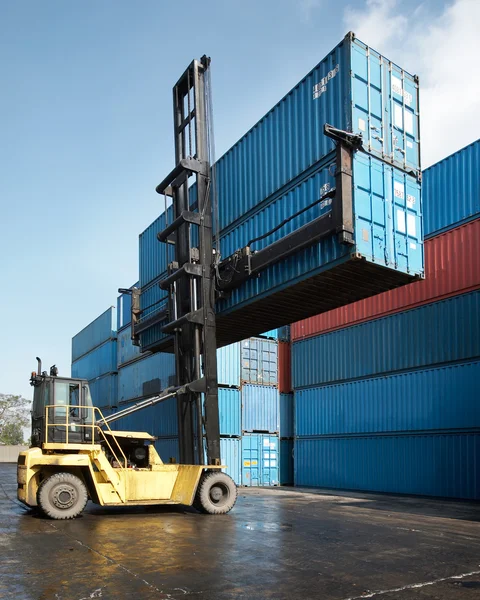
276, 543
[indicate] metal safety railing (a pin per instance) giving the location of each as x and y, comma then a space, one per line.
63, 419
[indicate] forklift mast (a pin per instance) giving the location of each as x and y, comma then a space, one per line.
190, 281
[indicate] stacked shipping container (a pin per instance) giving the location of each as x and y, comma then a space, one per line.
385, 388
94, 357
249, 399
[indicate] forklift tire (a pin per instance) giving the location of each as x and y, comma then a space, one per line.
62, 496
216, 494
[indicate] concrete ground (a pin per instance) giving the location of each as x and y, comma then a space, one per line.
276, 543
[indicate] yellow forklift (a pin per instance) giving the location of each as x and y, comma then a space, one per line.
75, 456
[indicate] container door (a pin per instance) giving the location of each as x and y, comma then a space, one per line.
250, 460
269, 471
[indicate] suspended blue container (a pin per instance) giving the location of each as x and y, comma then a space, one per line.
146, 377
259, 361
231, 455
439, 332
97, 362
437, 398
451, 190
103, 391
286, 416
230, 412
94, 334
286, 462
260, 408
126, 351
284, 164
260, 460
432, 465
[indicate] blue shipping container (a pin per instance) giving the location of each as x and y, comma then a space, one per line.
231, 455
260, 361
286, 462
230, 413
286, 416
167, 449
228, 365
438, 398
104, 390
388, 233
97, 362
260, 459
260, 408
451, 190
433, 465
126, 351
97, 332
146, 377
282, 334
439, 332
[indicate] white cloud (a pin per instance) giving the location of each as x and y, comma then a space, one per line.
307, 7
440, 49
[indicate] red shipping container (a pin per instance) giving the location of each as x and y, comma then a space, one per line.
284, 367
452, 266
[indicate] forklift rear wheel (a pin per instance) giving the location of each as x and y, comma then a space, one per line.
62, 496
216, 494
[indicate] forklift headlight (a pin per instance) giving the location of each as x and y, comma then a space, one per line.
140, 453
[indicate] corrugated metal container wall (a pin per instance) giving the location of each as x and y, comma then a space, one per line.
286, 416
230, 411
452, 190
435, 333
146, 377
452, 266
433, 465
438, 398
94, 334
228, 365
126, 351
286, 462
260, 361
100, 361
168, 448
104, 390
260, 408
231, 455
260, 459
351, 89
284, 367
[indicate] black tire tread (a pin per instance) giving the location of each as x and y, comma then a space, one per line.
202, 501
51, 511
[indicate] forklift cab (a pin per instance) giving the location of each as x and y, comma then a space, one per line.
53, 397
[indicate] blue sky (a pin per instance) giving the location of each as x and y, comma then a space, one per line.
86, 127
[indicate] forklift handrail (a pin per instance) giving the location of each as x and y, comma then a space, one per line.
93, 425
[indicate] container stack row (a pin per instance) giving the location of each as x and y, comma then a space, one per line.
94, 357
386, 389
253, 376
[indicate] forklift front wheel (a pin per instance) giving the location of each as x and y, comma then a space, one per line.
62, 496
216, 494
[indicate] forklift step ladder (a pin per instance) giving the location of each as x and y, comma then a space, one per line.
190, 280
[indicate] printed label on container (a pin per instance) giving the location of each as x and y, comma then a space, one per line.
401, 227
411, 225
398, 190
397, 87
321, 87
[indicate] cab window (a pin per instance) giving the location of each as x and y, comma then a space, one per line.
66, 394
